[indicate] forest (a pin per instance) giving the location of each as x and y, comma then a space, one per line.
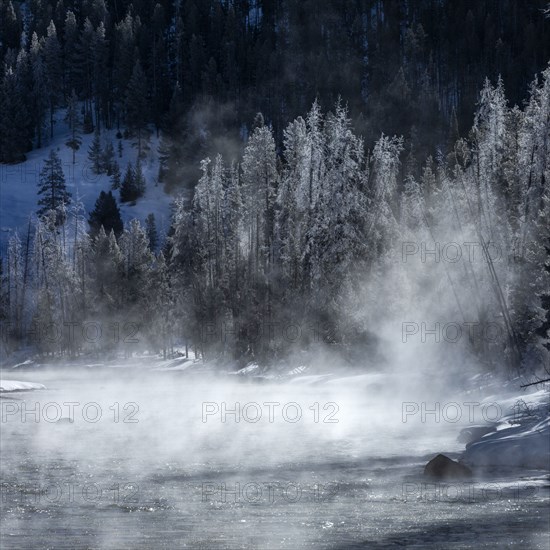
307, 146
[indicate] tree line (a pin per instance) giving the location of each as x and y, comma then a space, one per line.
200, 70
312, 237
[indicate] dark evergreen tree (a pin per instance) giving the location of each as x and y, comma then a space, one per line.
108, 159
39, 87
105, 214
13, 119
137, 105
128, 187
95, 153
72, 118
140, 183
100, 81
53, 71
10, 27
88, 122
85, 57
70, 57
115, 176
52, 190
124, 58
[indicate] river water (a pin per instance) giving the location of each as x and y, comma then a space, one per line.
170, 460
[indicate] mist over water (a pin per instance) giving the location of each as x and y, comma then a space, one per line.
160, 459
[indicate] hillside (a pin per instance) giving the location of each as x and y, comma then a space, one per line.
19, 182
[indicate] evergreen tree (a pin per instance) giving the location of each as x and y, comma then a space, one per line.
160, 301
13, 120
115, 177
85, 56
133, 184
15, 293
39, 86
88, 122
124, 55
151, 231
106, 271
10, 27
138, 260
52, 190
72, 118
100, 80
137, 105
108, 159
105, 214
53, 71
259, 187
95, 153
70, 57
140, 183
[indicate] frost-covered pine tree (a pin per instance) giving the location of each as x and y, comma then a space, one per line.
259, 181
152, 233
337, 235
534, 155
230, 234
489, 136
137, 262
105, 282
160, 302
382, 230
14, 286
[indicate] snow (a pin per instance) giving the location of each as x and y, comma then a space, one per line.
522, 437
311, 379
253, 368
179, 364
16, 385
19, 182
26, 363
519, 447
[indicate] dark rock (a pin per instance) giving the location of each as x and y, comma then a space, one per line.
65, 420
442, 467
473, 433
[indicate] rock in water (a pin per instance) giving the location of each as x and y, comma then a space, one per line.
442, 467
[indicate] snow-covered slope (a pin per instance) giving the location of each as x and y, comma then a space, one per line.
19, 182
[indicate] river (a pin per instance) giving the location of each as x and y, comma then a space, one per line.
173, 460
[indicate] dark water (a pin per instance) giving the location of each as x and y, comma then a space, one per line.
141, 467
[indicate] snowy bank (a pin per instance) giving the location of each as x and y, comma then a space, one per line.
16, 385
520, 439
518, 446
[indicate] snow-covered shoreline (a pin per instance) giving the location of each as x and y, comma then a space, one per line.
521, 439
17, 385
